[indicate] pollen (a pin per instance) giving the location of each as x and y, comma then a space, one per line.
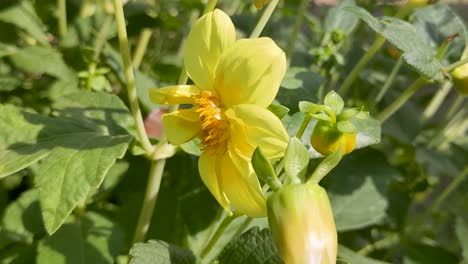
214, 123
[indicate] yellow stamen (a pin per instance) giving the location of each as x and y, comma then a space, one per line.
214, 123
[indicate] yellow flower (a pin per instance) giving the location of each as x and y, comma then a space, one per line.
260, 3
234, 83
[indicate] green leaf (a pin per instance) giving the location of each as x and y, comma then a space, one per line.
279, 110
254, 247
156, 251
192, 147
23, 217
334, 101
358, 187
113, 177
351, 112
437, 22
346, 127
327, 165
264, 169
348, 256
338, 19
298, 84
368, 131
322, 116
77, 148
461, 229
24, 16
309, 108
296, 159
92, 239
40, 60
405, 37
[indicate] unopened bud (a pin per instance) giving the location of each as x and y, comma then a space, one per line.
420, 3
302, 225
460, 79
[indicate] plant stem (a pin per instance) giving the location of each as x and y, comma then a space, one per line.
449, 189
62, 7
264, 19
210, 6
385, 242
304, 125
389, 80
455, 65
373, 49
221, 228
130, 77
151, 195
299, 19
453, 109
143, 41
102, 37
437, 100
400, 101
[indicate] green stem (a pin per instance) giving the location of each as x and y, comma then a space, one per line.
264, 19
453, 109
299, 19
389, 80
214, 239
62, 7
385, 242
373, 49
140, 50
102, 37
450, 188
304, 125
400, 101
437, 100
149, 202
130, 77
210, 6
455, 65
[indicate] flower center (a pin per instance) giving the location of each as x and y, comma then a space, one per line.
214, 123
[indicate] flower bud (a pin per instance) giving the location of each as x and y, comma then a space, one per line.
326, 139
419, 3
460, 79
302, 225
260, 3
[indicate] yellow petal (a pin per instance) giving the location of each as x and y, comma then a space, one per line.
210, 36
241, 186
207, 168
181, 126
178, 94
253, 126
250, 72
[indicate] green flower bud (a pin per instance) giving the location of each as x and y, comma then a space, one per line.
301, 221
419, 3
460, 79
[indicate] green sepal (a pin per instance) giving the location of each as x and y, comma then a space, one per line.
279, 110
296, 160
334, 101
346, 126
264, 169
327, 164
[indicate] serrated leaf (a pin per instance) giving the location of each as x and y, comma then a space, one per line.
24, 16
334, 101
254, 247
279, 110
405, 37
93, 239
156, 251
77, 149
346, 127
358, 187
439, 21
39, 60
338, 19
296, 159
